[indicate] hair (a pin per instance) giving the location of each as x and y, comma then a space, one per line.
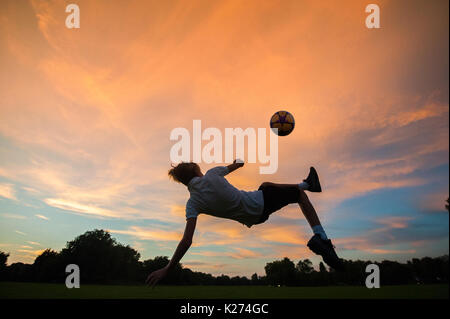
183, 172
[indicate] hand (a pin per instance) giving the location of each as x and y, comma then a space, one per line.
239, 162
156, 276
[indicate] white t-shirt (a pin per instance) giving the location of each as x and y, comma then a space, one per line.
213, 195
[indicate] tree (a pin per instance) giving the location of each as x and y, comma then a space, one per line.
305, 266
20, 272
223, 280
3, 267
48, 267
280, 272
3, 259
174, 276
101, 259
430, 270
395, 273
254, 279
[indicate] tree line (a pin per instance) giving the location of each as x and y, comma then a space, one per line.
102, 260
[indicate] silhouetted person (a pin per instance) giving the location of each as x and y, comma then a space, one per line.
212, 194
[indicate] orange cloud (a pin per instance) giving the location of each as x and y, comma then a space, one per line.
146, 234
238, 253
435, 202
32, 252
178, 211
89, 111
284, 235
395, 222
389, 251
80, 208
42, 217
33, 243
7, 191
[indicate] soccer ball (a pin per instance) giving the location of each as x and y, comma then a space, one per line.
283, 121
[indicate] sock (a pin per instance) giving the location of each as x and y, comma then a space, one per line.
304, 186
318, 229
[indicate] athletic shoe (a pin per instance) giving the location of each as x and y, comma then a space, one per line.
325, 249
313, 181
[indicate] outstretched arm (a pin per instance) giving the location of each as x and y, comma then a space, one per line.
183, 246
236, 164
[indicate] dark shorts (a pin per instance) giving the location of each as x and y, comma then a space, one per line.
276, 196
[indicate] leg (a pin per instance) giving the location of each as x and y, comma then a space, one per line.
311, 215
276, 196
296, 195
308, 209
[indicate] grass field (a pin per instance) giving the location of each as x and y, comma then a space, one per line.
52, 291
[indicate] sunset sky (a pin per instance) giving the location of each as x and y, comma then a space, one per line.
86, 115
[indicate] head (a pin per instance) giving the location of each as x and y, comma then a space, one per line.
184, 172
